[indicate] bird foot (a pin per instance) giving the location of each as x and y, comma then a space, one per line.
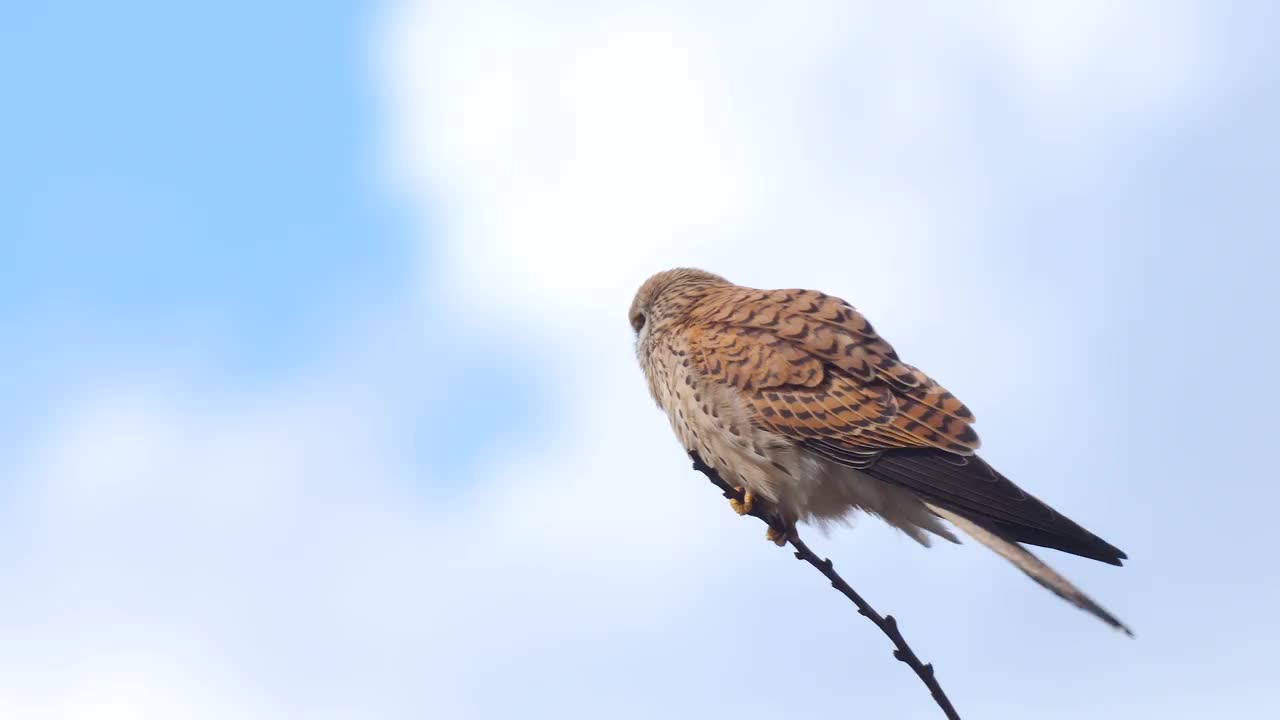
778, 537
743, 506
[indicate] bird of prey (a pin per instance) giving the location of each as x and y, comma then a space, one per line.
793, 398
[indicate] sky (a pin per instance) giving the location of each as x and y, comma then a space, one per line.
319, 398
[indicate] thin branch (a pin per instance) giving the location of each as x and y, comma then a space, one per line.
887, 624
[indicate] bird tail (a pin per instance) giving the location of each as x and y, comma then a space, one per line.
1033, 566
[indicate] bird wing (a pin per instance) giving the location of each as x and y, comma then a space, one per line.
811, 368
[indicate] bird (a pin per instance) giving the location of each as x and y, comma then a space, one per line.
792, 397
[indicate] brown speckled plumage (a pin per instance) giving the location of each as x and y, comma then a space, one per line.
792, 395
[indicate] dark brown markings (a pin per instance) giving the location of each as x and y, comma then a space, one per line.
800, 334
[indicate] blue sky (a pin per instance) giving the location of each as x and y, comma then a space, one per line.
212, 157
178, 176
320, 403
188, 185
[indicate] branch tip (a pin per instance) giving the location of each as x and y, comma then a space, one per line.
887, 624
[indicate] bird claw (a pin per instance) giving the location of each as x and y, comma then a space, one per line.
778, 537
743, 506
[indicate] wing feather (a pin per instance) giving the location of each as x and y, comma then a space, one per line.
813, 369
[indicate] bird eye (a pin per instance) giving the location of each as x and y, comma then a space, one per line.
637, 321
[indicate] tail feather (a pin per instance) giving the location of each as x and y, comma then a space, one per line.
969, 486
1033, 566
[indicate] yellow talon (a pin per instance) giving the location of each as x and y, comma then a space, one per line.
743, 506
776, 537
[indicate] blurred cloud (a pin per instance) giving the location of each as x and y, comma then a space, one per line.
566, 152
461, 502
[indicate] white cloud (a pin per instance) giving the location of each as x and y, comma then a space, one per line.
271, 551
564, 151
569, 150
125, 687
276, 555
1077, 63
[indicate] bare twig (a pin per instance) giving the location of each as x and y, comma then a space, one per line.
887, 624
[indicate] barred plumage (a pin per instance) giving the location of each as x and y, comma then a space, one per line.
793, 395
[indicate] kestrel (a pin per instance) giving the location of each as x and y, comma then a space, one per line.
792, 397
